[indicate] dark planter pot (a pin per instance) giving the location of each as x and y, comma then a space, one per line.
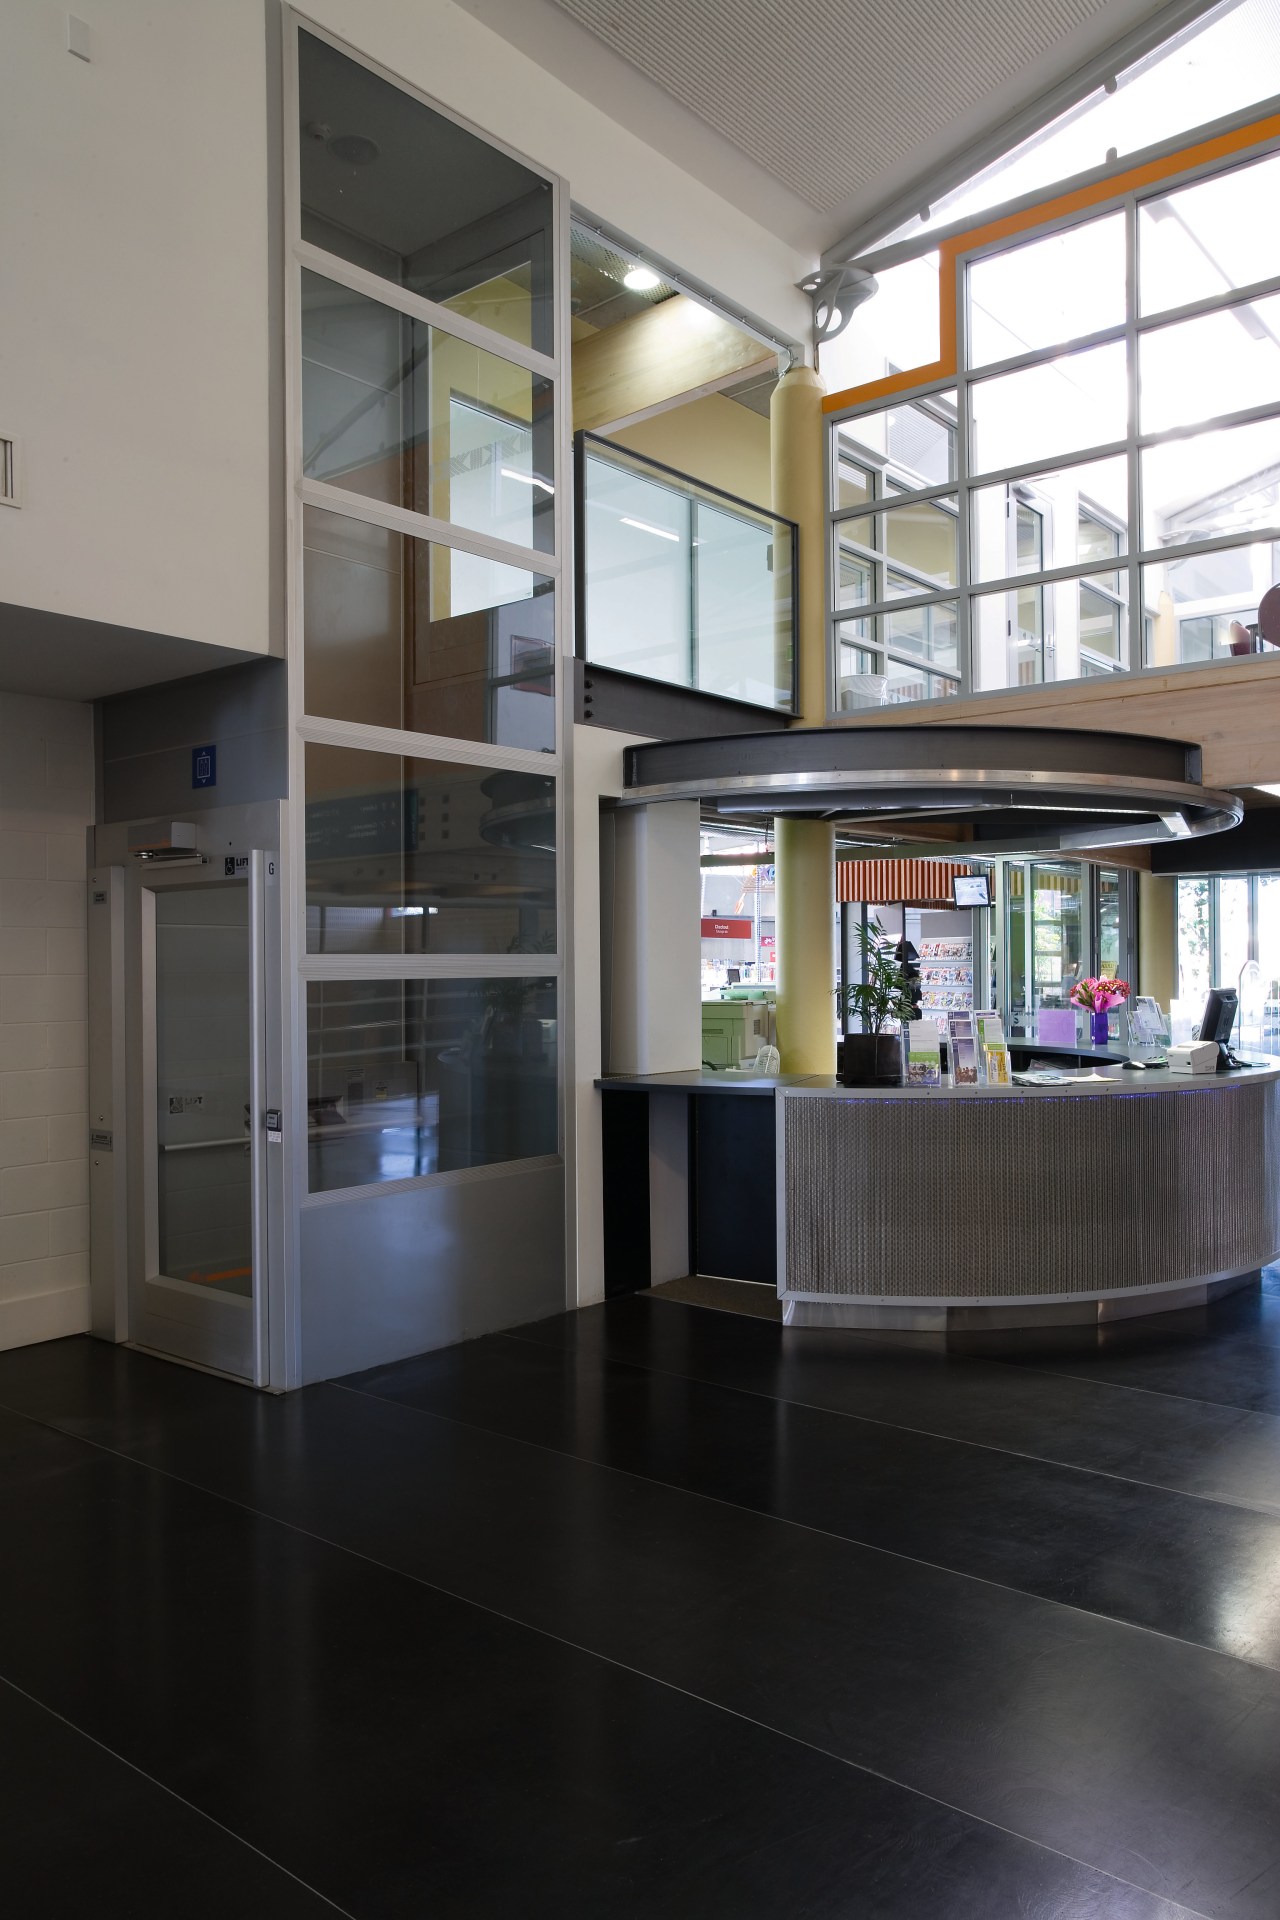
871, 1060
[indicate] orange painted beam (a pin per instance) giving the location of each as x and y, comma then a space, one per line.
1128, 180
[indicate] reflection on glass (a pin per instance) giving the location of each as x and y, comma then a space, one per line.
917, 438
427, 856
1047, 292
1015, 916
402, 633
1269, 957
684, 587
1047, 631
373, 160
855, 577
1049, 519
1057, 933
1097, 539
1235, 356
1195, 958
203, 1168
742, 605
410, 1077
853, 482
1101, 617
1209, 238
741, 891
405, 414
1028, 539
930, 632
1205, 606
1107, 882
1058, 407
914, 547
860, 684
905, 683
1233, 931
1211, 484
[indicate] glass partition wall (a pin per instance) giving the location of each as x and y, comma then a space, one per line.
682, 583
1224, 923
427, 462
1095, 488
1063, 920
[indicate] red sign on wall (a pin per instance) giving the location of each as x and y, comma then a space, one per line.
726, 929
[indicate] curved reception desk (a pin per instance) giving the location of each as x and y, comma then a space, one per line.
934, 1208
1105, 1195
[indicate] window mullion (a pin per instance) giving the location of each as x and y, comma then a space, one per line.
1137, 618
964, 491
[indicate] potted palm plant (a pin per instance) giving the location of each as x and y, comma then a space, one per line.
873, 1056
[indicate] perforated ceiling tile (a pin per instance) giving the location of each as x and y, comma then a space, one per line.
824, 94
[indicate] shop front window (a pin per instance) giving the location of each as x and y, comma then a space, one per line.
739, 933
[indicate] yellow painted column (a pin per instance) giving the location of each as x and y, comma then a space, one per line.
805, 853
1158, 936
804, 850
797, 453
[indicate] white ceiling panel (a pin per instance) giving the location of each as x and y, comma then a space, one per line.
826, 94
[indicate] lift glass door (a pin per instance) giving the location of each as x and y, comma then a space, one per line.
204, 1185
201, 1199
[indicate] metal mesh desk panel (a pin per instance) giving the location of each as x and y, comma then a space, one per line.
982, 1197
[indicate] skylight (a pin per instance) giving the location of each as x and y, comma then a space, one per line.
1222, 64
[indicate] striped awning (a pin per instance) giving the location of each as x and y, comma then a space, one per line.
898, 883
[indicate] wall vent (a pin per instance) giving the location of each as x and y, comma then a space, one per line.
9, 496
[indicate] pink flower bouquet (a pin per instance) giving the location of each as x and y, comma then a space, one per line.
1098, 995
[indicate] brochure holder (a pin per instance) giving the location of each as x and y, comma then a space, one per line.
962, 1051
924, 1054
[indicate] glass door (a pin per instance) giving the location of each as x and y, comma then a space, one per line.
195, 1261
1057, 932
1107, 941
1015, 920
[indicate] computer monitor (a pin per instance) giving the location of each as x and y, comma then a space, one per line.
1218, 1019
971, 890
733, 975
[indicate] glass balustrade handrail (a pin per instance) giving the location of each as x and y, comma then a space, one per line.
683, 582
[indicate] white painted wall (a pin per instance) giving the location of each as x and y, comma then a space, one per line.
46, 802
656, 1006
135, 341
134, 335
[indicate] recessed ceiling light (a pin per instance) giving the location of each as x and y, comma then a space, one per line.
640, 279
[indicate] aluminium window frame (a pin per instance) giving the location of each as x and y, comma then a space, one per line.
302, 968
1131, 446
690, 488
884, 473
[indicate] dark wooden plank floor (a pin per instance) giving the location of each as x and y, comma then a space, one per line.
651, 1610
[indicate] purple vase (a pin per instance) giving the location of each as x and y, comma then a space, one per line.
1098, 1028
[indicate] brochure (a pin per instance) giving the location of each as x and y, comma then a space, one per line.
1146, 1022
962, 1050
924, 1054
995, 1050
